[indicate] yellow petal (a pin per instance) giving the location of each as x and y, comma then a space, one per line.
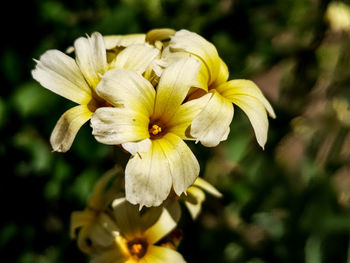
237, 87
211, 125
195, 44
207, 187
127, 88
173, 86
181, 122
246, 95
59, 73
130, 221
91, 57
114, 254
157, 254
119, 125
194, 201
136, 57
164, 225
80, 219
222, 76
159, 34
113, 41
147, 177
184, 167
68, 126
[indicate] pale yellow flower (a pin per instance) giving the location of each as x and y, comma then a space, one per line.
212, 125
86, 225
135, 236
76, 79
151, 125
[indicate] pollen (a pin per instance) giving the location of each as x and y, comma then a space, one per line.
137, 248
155, 129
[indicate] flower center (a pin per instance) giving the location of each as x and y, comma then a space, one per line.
137, 248
155, 129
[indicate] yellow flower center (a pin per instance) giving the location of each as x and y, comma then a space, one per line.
155, 130
137, 248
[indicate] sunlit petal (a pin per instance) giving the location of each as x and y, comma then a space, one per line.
137, 147
127, 88
194, 201
193, 43
159, 34
119, 125
112, 41
148, 177
136, 57
59, 73
91, 57
183, 164
181, 122
211, 125
157, 254
68, 126
207, 187
172, 89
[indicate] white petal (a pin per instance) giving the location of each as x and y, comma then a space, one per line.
184, 166
127, 88
211, 125
207, 187
59, 73
113, 41
136, 57
137, 147
119, 125
194, 201
91, 57
68, 126
148, 177
173, 87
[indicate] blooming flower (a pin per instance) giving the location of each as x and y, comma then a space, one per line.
76, 79
151, 125
135, 235
212, 125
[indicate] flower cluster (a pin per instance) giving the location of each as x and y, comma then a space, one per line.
147, 93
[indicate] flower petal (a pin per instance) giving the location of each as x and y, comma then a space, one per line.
183, 164
246, 95
113, 41
127, 88
137, 147
211, 125
173, 86
80, 219
159, 34
193, 43
194, 201
136, 57
129, 219
91, 57
68, 126
59, 73
181, 122
207, 187
237, 87
164, 225
157, 254
148, 177
114, 254
119, 125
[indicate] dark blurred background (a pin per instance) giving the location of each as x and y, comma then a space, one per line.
288, 203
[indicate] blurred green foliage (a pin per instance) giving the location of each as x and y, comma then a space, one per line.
288, 203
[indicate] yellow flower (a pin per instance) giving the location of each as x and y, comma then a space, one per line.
151, 125
137, 234
86, 225
76, 79
212, 125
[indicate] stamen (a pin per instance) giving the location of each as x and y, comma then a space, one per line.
137, 248
155, 129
